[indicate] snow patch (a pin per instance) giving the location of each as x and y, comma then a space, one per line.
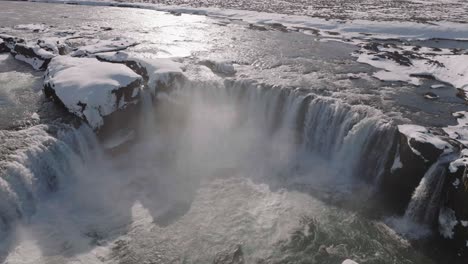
220, 66
99, 45
459, 132
461, 162
423, 135
348, 261
90, 84
451, 69
161, 71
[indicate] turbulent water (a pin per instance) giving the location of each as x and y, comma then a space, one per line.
218, 168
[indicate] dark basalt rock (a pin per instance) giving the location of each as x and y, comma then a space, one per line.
3, 47
398, 185
9, 42
456, 199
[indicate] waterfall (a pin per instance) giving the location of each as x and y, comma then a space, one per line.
39, 159
425, 200
356, 139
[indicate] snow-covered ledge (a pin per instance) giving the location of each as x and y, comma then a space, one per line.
91, 89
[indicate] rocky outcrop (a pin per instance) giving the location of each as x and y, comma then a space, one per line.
453, 220
417, 148
102, 94
31, 53
34, 55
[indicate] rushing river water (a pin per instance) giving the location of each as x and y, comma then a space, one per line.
222, 171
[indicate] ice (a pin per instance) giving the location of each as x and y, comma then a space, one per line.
348, 261
91, 82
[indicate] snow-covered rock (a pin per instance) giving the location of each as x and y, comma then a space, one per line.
160, 73
456, 205
34, 55
401, 64
9, 42
459, 132
99, 45
90, 89
421, 139
220, 66
417, 149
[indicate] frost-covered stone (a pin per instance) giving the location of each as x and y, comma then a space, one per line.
90, 89
459, 132
34, 55
220, 66
424, 143
99, 45
160, 73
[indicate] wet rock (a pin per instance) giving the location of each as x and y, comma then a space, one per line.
3, 47
416, 150
457, 201
233, 255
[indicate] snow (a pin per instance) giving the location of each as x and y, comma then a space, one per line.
35, 116
437, 86
99, 45
453, 69
346, 29
37, 62
34, 62
423, 135
459, 132
91, 82
460, 162
31, 27
447, 221
160, 70
220, 66
348, 261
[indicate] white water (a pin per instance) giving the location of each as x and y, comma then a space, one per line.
217, 165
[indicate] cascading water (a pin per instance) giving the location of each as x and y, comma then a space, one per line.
42, 158
425, 201
356, 140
